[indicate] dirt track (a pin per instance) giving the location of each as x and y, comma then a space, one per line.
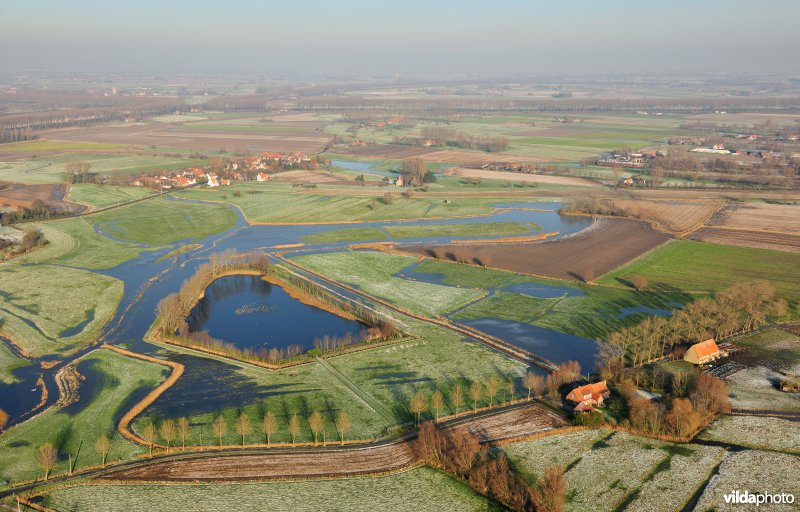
601, 248
336, 462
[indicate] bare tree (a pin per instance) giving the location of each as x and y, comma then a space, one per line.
47, 456
551, 493
512, 389
269, 425
533, 382
640, 282
103, 446
342, 424
418, 405
168, 432
492, 387
183, 428
437, 402
317, 423
220, 428
294, 427
457, 397
149, 435
475, 393
3, 419
243, 425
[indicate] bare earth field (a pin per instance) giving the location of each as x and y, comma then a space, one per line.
335, 462
778, 218
517, 177
600, 248
759, 240
670, 216
17, 194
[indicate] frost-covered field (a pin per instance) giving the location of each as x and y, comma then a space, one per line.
674, 486
753, 389
420, 490
756, 432
756, 472
606, 475
533, 457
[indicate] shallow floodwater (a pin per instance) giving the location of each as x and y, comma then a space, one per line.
252, 313
552, 345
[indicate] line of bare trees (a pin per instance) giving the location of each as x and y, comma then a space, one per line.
492, 391
742, 307
170, 432
462, 455
445, 136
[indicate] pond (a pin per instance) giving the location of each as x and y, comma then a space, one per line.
252, 313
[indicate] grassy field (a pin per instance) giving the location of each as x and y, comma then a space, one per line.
113, 382
55, 145
422, 489
773, 346
278, 203
42, 306
754, 389
756, 432
372, 272
703, 267
757, 472
608, 470
102, 196
373, 386
346, 235
51, 169
75, 243
161, 221
588, 311
494, 229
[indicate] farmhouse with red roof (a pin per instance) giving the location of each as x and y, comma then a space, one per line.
588, 396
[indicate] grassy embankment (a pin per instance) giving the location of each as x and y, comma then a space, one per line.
113, 383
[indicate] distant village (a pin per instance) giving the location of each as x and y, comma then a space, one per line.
222, 174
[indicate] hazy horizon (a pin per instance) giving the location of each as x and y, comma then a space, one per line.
358, 37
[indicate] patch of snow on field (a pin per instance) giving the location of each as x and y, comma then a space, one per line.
753, 389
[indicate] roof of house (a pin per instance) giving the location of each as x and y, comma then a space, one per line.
705, 348
593, 390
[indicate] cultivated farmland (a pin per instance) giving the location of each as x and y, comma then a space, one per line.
606, 245
669, 216
755, 239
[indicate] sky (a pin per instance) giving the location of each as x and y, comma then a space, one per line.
409, 36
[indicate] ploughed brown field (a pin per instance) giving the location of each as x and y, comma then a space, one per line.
779, 218
675, 216
456, 156
17, 194
758, 239
334, 461
604, 246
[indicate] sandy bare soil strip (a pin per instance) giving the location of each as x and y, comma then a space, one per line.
517, 177
777, 218
598, 249
759, 240
335, 462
